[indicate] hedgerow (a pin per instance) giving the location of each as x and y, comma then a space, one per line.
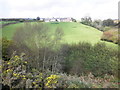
83, 58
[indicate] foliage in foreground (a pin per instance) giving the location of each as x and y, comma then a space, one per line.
15, 75
76, 59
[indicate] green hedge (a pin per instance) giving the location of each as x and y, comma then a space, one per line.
83, 58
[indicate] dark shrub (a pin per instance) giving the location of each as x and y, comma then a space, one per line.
85, 58
5, 45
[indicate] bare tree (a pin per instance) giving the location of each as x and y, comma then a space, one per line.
44, 45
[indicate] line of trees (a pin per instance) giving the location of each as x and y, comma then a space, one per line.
99, 24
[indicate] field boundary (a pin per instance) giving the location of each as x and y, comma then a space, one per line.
3, 25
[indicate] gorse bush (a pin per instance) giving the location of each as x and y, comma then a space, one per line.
15, 75
16, 71
83, 58
9, 46
5, 48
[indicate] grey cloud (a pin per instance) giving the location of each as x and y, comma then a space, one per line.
46, 6
4, 9
72, 8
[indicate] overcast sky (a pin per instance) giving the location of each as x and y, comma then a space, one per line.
97, 9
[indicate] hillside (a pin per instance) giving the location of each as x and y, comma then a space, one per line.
73, 32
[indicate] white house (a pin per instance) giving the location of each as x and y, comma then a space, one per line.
66, 19
53, 20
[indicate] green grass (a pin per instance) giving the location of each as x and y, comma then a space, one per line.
73, 32
8, 31
77, 32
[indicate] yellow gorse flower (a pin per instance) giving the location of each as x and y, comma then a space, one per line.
8, 70
24, 78
0, 66
14, 74
25, 62
34, 82
36, 85
17, 57
8, 63
52, 79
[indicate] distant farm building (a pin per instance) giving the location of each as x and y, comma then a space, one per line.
57, 19
66, 19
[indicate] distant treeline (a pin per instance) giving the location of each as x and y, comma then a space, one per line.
8, 21
16, 19
100, 24
13, 19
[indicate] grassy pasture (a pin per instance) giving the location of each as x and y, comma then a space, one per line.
73, 32
8, 31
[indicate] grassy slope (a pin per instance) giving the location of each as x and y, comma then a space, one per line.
8, 31
73, 32
76, 32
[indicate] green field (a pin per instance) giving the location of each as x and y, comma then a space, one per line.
8, 31
73, 32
